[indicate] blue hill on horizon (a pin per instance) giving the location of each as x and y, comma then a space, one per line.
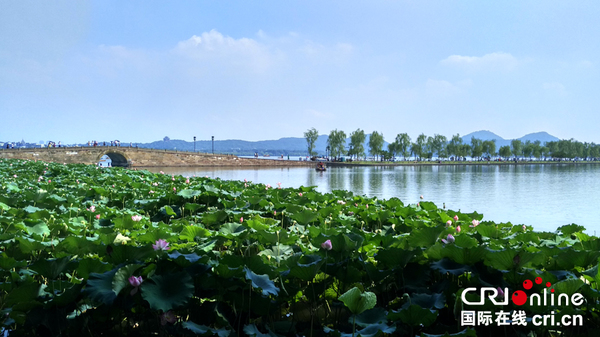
296, 146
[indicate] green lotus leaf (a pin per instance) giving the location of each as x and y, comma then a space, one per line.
358, 301
568, 286
305, 217
427, 301
252, 330
203, 330
211, 218
306, 267
99, 287
425, 237
4, 207
465, 241
570, 229
370, 317
166, 292
232, 229
121, 278
394, 257
415, 315
12, 187
188, 193
53, 268
446, 265
90, 265
38, 227
263, 282
32, 209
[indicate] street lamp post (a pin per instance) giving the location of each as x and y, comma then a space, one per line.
194, 143
213, 144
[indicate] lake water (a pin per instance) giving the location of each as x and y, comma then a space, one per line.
542, 196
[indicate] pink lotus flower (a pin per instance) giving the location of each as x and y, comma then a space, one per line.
174, 189
161, 245
241, 219
49, 180
92, 208
245, 180
98, 216
187, 181
458, 229
524, 227
161, 172
151, 191
15, 176
113, 185
456, 218
77, 180
300, 194
449, 239
448, 223
367, 206
167, 317
245, 185
327, 245
135, 281
136, 218
475, 223
279, 184
421, 197
274, 212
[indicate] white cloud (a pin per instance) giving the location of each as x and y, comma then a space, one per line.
555, 88
445, 88
214, 46
493, 61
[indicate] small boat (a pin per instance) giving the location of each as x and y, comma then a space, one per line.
321, 167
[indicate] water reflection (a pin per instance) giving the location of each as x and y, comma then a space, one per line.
545, 197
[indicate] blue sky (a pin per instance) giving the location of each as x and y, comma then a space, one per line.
141, 70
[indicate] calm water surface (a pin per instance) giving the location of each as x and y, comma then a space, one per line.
542, 196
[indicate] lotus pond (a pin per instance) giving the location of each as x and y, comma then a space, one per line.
88, 251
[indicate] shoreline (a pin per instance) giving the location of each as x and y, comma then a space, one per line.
456, 163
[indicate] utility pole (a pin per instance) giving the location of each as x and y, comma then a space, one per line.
213, 144
194, 143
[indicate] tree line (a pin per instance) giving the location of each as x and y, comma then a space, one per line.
428, 147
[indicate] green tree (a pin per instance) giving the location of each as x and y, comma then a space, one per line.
517, 147
403, 144
375, 143
429, 147
527, 149
453, 147
418, 148
357, 139
476, 147
311, 137
504, 151
392, 149
489, 147
337, 143
439, 145
464, 150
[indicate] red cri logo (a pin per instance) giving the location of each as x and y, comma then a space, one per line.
519, 297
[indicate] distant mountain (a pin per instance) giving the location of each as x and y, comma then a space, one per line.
485, 135
296, 146
543, 137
